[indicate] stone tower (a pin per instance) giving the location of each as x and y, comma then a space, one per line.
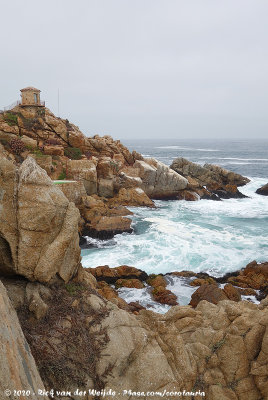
30, 96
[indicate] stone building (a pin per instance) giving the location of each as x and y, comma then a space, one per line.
30, 96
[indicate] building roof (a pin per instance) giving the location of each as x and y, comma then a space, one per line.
30, 88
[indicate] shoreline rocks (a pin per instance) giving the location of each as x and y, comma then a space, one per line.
210, 181
263, 190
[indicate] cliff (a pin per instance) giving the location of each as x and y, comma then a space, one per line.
81, 340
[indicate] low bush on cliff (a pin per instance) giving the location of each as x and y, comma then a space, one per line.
74, 153
64, 347
17, 146
11, 119
62, 175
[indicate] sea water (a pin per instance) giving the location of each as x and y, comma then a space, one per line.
203, 236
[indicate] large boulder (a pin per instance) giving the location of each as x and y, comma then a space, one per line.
208, 174
18, 370
263, 190
158, 180
73, 190
133, 197
254, 276
208, 292
111, 275
35, 214
210, 181
85, 171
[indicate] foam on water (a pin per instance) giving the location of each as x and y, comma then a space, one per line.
183, 148
210, 236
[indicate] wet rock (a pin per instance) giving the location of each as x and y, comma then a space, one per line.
107, 227
210, 293
156, 280
263, 190
231, 292
111, 275
254, 276
134, 197
210, 181
164, 296
129, 283
203, 281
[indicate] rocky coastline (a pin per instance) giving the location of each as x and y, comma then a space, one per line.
64, 326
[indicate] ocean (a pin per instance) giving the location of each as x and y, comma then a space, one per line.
203, 236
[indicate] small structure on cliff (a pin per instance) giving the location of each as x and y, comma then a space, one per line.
30, 96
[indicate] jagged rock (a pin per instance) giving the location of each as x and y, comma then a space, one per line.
105, 187
231, 292
111, 275
54, 150
34, 213
129, 283
210, 293
158, 180
44, 162
203, 281
156, 281
254, 276
188, 195
219, 182
102, 219
263, 190
223, 346
74, 190
107, 227
84, 170
18, 370
132, 197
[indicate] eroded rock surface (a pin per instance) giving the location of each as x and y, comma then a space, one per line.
209, 181
38, 225
18, 369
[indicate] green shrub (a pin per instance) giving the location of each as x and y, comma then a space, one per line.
74, 153
74, 288
62, 175
38, 153
11, 119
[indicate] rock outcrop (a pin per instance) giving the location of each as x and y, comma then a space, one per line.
209, 181
18, 371
220, 350
38, 225
263, 190
159, 181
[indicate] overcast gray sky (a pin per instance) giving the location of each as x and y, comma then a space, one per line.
142, 68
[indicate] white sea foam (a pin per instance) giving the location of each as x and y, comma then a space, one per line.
183, 148
234, 158
215, 237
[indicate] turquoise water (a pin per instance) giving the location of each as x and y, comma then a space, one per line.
210, 236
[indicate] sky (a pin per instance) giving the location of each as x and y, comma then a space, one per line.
142, 69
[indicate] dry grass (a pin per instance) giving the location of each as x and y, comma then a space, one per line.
64, 348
